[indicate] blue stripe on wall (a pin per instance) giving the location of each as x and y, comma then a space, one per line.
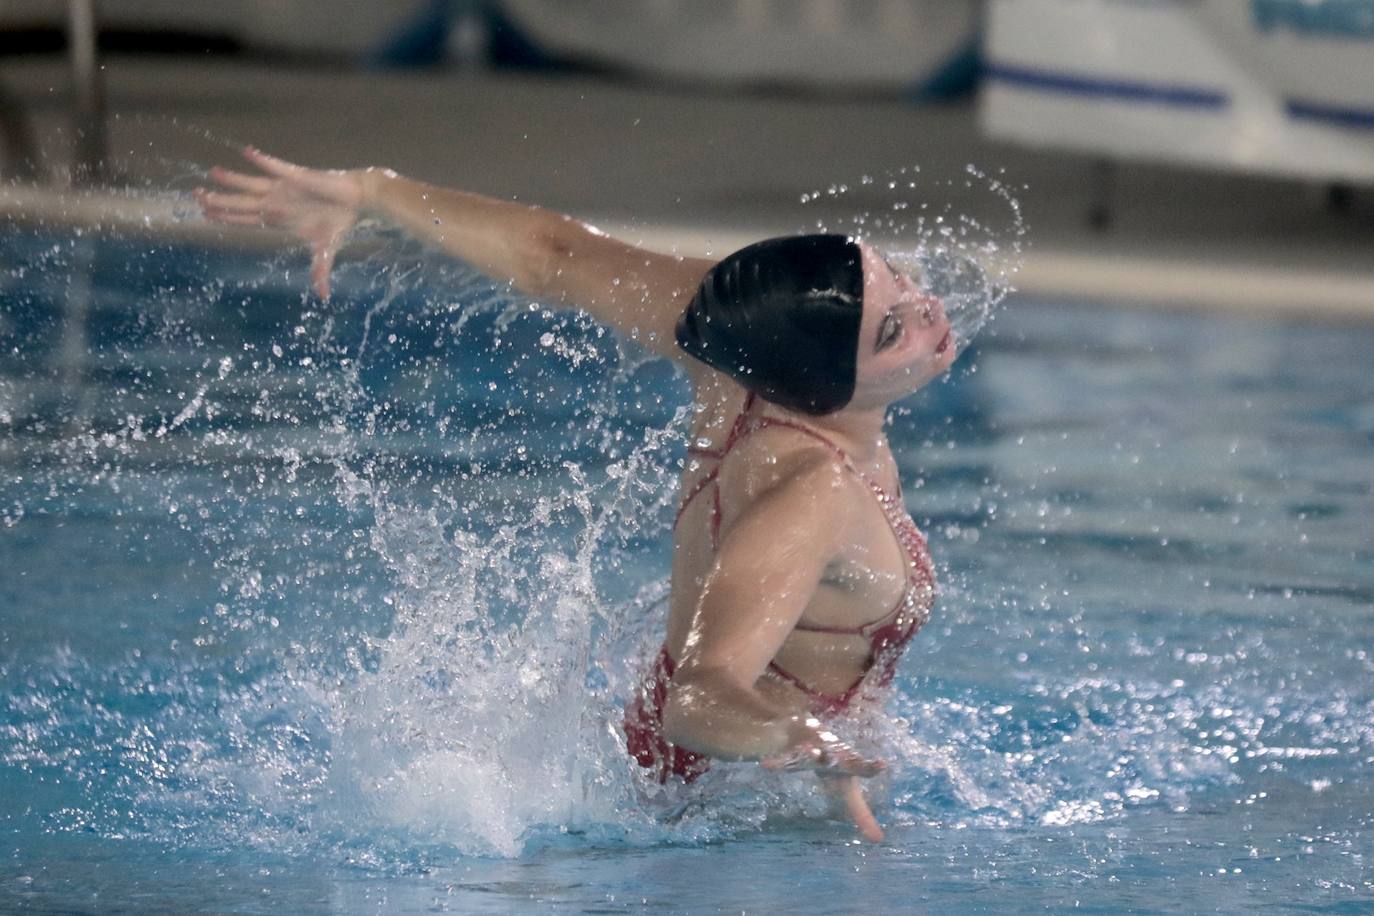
1331, 114
1097, 87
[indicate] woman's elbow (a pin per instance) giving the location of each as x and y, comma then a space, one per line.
678, 716
551, 248
686, 711
538, 257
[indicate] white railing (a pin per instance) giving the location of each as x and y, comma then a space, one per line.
1273, 86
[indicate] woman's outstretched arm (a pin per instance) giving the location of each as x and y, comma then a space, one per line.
544, 254
547, 255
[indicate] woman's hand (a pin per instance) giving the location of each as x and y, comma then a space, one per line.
839, 767
318, 207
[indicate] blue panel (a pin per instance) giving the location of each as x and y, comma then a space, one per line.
1342, 115
1101, 87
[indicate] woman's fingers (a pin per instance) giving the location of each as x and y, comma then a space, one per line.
863, 766
271, 164
256, 184
816, 747
849, 790
859, 811
220, 214
335, 186
839, 768
317, 207
321, 266
234, 203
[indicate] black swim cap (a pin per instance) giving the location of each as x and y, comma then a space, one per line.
781, 317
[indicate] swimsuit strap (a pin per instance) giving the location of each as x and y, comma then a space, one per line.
888, 632
893, 509
885, 645
737, 431
909, 538
826, 703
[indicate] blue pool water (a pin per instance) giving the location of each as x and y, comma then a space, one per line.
330, 607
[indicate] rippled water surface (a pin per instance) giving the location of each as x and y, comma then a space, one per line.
331, 607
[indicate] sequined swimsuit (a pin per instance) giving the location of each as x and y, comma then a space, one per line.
887, 635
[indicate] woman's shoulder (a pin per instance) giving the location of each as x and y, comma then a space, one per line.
770, 459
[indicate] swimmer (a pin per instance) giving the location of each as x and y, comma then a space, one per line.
798, 577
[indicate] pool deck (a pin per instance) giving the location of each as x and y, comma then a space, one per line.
698, 171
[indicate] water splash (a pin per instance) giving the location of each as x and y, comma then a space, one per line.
297, 454
420, 551
485, 713
429, 608
497, 587
962, 239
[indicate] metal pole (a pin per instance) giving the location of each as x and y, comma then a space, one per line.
88, 159
88, 92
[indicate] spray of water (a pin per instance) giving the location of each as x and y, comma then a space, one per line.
435, 515
962, 239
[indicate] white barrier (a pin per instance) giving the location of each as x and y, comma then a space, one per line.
1278, 86
879, 44
903, 45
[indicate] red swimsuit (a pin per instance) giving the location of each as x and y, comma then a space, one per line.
887, 636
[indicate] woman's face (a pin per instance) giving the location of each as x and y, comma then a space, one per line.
904, 337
